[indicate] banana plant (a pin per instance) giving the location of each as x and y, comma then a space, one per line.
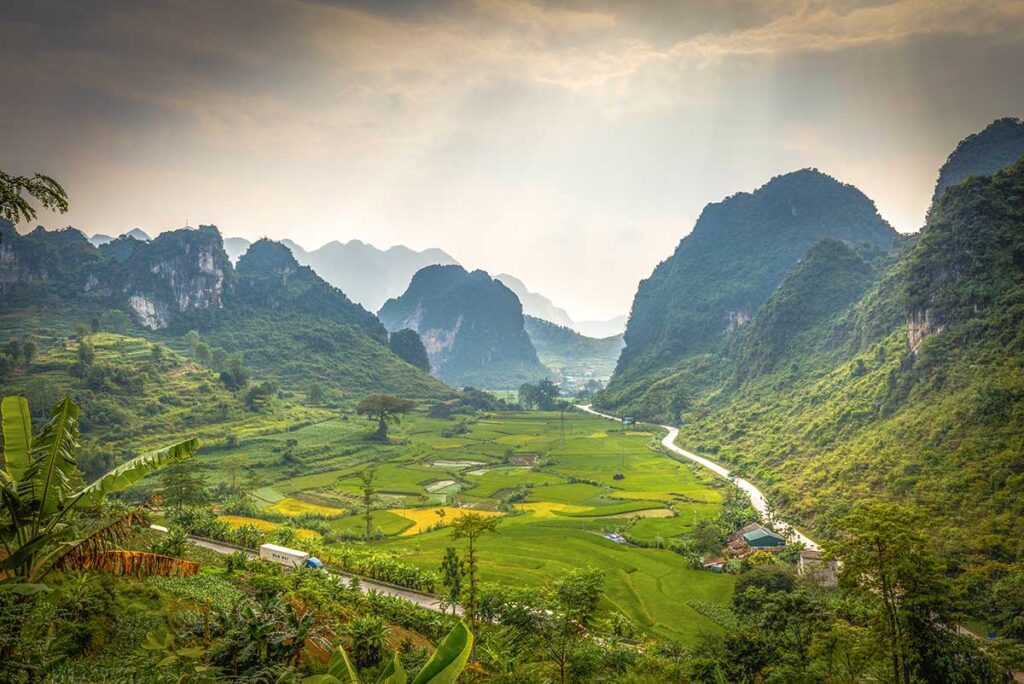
37, 487
444, 667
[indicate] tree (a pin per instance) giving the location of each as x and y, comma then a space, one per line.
528, 396
366, 480
183, 485
886, 561
191, 338
37, 493
577, 595
407, 345
235, 375
86, 357
384, 409
233, 466
13, 348
45, 190
453, 570
471, 526
203, 353
259, 396
316, 394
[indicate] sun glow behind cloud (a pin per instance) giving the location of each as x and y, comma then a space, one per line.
572, 144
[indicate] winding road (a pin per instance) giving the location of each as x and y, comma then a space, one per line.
757, 497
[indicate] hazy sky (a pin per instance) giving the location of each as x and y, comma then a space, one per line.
569, 143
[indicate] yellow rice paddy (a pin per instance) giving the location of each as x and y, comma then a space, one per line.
426, 518
290, 506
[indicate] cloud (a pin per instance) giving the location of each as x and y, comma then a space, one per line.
468, 124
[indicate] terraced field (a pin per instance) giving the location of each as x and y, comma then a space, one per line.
558, 484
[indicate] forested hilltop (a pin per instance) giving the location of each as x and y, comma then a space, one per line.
280, 318
867, 375
740, 250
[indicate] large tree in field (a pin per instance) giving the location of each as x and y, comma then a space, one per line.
385, 410
38, 499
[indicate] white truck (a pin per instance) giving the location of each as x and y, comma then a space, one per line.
283, 555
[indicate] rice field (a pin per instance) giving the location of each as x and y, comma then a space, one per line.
424, 519
565, 493
290, 506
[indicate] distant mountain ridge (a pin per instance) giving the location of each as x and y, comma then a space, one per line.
535, 304
575, 357
471, 326
286, 321
368, 275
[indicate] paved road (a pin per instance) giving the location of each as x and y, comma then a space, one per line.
757, 498
427, 601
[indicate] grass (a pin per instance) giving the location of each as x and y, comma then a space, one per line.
651, 587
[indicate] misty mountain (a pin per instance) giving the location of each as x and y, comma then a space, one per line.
100, 239
471, 326
602, 329
368, 275
571, 354
235, 247
535, 304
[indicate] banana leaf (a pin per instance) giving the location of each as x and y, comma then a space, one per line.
17, 427
46, 483
449, 660
394, 673
127, 474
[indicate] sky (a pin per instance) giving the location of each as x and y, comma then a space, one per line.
572, 144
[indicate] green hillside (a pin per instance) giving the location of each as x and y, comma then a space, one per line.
739, 252
285, 321
927, 411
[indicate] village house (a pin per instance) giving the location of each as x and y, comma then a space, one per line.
813, 565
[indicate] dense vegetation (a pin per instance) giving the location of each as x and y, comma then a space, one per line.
1000, 144
893, 378
286, 322
740, 250
471, 326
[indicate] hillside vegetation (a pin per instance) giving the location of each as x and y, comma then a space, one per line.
739, 252
283, 319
